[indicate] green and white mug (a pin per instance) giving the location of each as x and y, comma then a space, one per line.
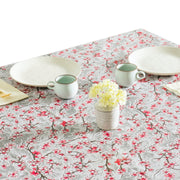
65, 86
127, 74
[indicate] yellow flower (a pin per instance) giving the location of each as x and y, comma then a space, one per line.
108, 93
94, 91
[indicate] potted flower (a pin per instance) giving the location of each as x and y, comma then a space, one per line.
109, 98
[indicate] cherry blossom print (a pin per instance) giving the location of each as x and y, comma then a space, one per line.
45, 137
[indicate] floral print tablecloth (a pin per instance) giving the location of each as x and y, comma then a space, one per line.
44, 137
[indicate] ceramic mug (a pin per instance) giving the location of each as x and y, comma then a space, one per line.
65, 86
127, 74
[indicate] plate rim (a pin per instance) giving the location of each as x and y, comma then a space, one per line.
149, 72
41, 57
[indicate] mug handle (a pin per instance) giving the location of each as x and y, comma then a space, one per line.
140, 75
51, 85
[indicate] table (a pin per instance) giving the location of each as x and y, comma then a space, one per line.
44, 137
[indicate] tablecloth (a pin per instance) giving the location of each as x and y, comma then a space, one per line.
45, 137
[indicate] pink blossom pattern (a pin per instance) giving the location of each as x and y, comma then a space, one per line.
44, 137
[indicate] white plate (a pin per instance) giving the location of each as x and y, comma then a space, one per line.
160, 60
39, 71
